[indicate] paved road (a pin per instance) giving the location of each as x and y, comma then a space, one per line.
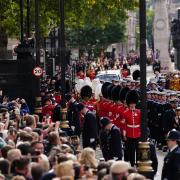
160, 155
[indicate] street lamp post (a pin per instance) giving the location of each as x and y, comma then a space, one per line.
144, 163
28, 21
21, 20
37, 34
38, 107
62, 58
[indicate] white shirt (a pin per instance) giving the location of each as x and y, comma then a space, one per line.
172, 149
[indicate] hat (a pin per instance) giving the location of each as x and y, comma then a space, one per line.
103, 89
2, 110
132, 97
178, 109
173, 94
174, 100
115, 92
173, 135
136, 75
104, 121
80, 106
86, 92
122, 94
163, 80
162, 93
119, 167
154, 82
109, 89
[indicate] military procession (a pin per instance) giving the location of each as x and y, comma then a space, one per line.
116, 106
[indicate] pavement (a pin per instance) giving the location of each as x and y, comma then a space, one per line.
160, 156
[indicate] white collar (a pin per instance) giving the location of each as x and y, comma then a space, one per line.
172, 149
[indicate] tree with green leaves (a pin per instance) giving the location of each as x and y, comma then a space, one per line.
81, 16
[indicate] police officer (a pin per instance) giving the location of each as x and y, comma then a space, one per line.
171, 168
114, 145
169, 116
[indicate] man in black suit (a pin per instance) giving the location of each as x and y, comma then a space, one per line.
171, 168
73, 115
114, 144
89, 133
169, 116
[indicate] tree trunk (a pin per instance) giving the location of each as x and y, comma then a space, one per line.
3, 42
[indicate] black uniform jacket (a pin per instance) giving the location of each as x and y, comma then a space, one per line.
114, 143
89, 130
168, 119
171, 168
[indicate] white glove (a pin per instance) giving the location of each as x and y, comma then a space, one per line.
73, 128
92, 140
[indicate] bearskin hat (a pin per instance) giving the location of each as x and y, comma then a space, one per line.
123, 93
109, 89
103, 89
115, 92
132, 97
136, 75
86, 92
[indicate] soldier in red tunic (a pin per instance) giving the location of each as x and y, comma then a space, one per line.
109, 107
132, 131
86, 94
115, 97
102, 110
121, 108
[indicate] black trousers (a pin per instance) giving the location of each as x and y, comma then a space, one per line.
132, 150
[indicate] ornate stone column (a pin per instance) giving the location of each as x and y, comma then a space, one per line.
162, 34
